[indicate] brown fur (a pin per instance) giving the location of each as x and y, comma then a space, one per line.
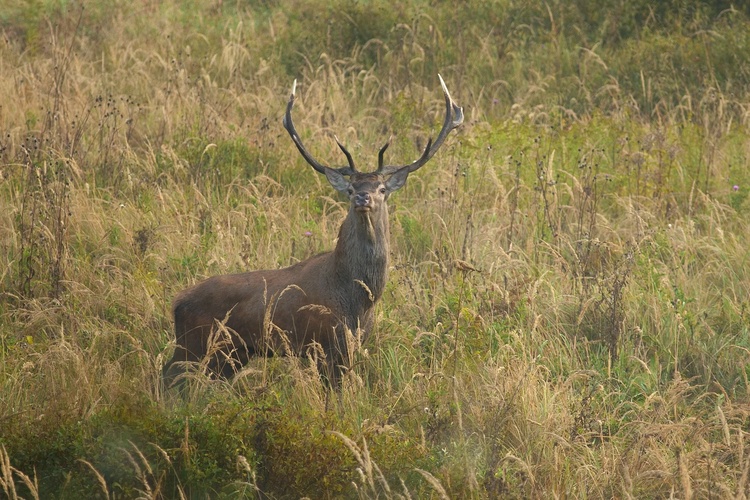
345, 283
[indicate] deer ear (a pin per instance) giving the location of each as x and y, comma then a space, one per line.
397, 180
337, 180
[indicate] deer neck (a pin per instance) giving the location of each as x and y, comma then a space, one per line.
362, 250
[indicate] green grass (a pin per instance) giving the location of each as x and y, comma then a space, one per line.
567, 311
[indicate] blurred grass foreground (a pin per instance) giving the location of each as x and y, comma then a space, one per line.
568, 308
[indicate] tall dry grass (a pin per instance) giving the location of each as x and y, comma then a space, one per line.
567, 308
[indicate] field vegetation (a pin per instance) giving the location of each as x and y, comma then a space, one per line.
568, 308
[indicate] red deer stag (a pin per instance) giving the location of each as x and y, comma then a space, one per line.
314, 301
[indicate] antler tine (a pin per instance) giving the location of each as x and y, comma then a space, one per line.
289, 126
348, 158
381, 153
454, 116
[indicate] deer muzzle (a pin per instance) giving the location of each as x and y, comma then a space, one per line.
362, 202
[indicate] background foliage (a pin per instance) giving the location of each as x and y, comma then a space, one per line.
567, 311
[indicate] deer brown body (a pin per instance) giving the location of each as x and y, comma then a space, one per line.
312, 302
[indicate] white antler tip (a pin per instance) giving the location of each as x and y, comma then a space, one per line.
294, 87
445, 87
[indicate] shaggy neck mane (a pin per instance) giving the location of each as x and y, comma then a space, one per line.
362, 249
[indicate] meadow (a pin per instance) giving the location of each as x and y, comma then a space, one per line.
568, 308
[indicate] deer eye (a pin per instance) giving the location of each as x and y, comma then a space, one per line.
382, 190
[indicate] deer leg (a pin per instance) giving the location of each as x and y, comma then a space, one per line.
330, 371
176, 367
230, 360
336, 357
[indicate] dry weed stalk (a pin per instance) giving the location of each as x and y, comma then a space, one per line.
8, 481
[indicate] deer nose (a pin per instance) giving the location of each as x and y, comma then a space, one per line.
361, 199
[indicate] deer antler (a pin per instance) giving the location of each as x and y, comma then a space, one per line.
289, 126
454, 116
